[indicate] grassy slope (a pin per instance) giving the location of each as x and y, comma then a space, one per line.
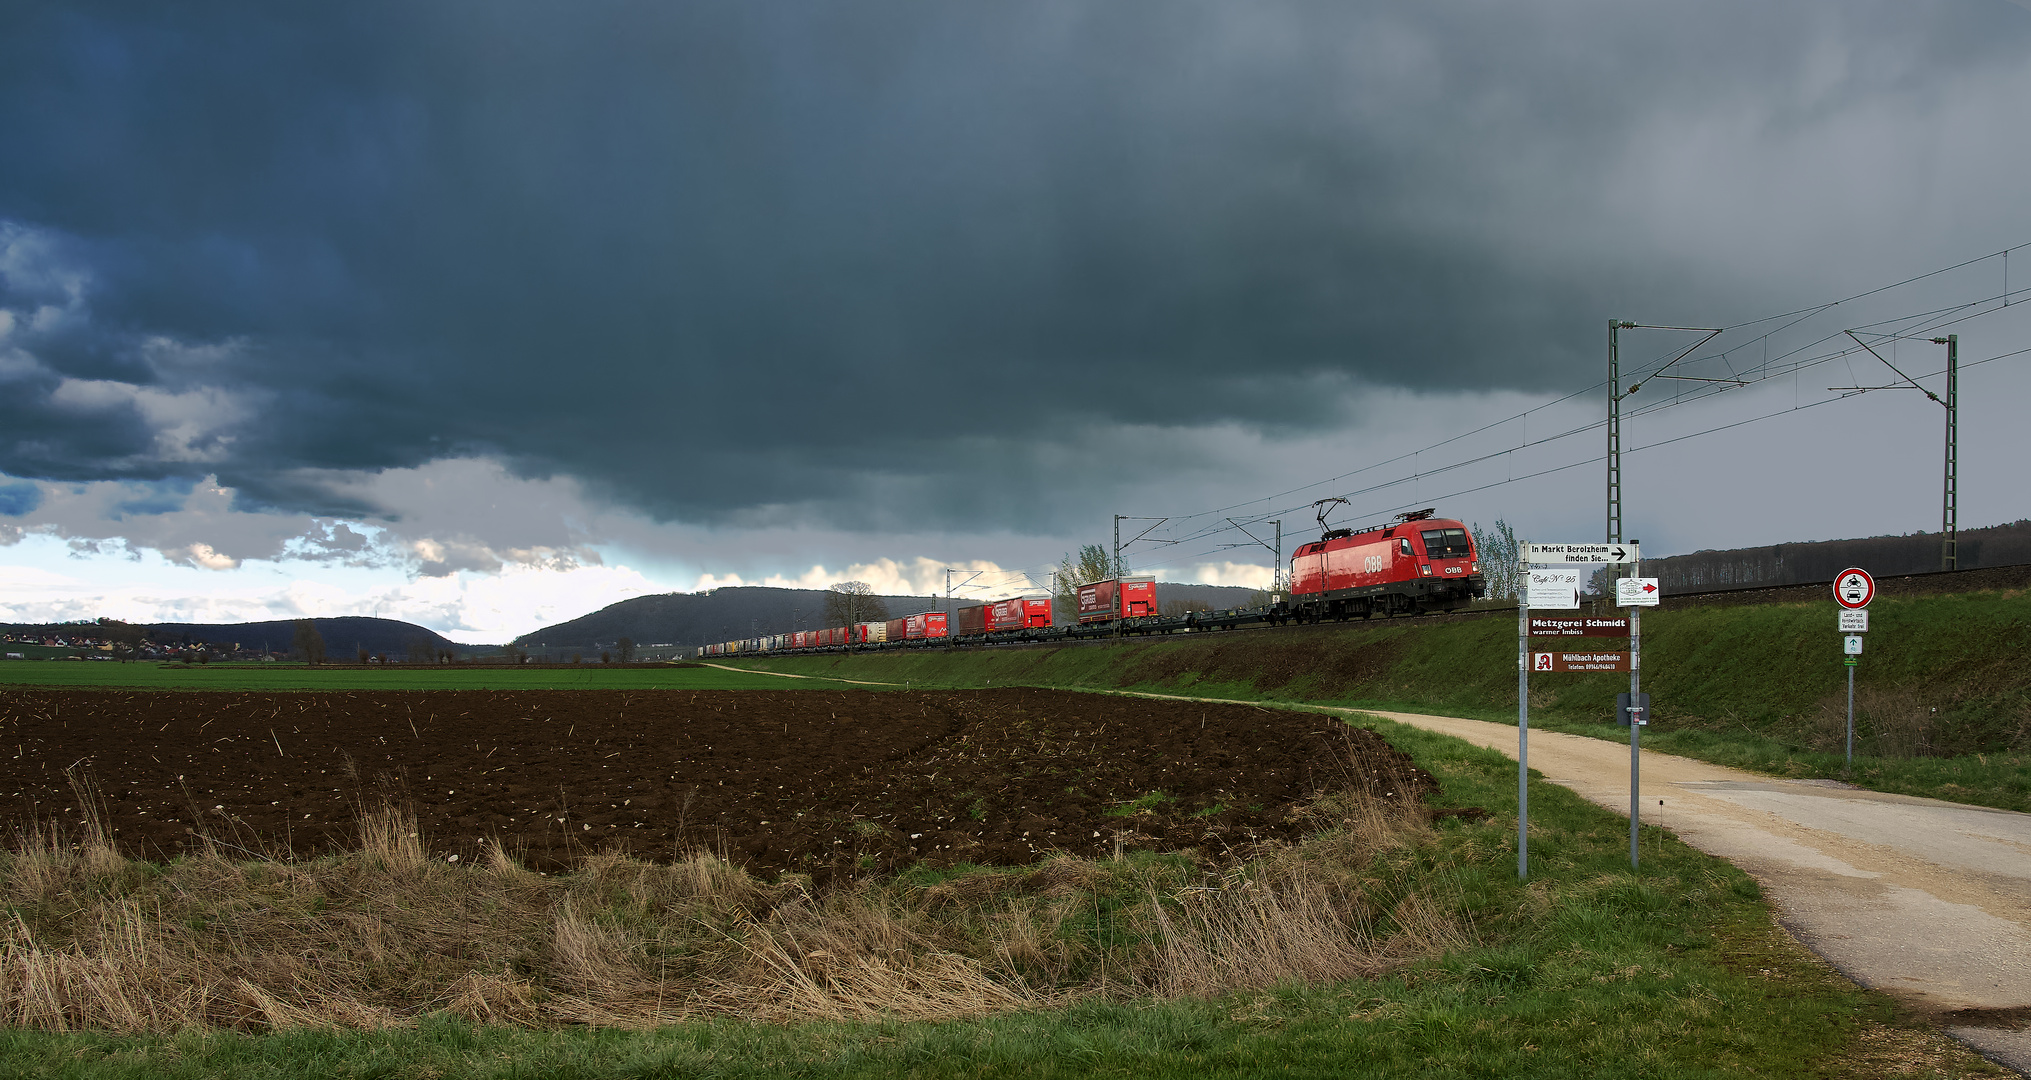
1758, 687
1586, 971
255, 676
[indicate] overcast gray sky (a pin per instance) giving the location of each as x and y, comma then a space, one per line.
449, 309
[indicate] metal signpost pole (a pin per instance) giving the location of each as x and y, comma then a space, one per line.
1635, 719
1523, 720
1853, 589
1851, 716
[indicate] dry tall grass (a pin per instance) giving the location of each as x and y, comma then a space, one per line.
384, 935
1906, 722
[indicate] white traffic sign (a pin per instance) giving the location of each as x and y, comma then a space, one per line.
1854, 588
1852, 645
1581, 553
1557, 590
1636, 592
1855, 622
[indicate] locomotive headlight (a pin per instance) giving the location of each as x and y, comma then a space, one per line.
1473, 568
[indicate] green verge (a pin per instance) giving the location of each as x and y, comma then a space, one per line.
1587, 970
1943, 696
274, 676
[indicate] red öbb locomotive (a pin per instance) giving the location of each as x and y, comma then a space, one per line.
1416, 563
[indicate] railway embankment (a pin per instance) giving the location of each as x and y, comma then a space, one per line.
1942, 696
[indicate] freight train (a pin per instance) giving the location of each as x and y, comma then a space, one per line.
1416, 563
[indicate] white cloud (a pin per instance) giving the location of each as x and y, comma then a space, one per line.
919, 576
1240, 575
466, 607
202, 554
188, 426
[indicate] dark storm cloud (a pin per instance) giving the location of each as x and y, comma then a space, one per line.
19, 497
726, 261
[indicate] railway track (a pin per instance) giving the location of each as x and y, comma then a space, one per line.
1937, 582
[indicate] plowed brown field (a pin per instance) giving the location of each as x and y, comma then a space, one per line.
823, 782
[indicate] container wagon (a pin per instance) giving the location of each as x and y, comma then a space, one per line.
1117, 598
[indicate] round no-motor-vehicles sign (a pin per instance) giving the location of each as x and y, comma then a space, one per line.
1854, 588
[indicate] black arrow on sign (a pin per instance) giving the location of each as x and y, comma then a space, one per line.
1621, 555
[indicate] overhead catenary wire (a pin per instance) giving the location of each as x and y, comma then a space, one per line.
1913, 324
1786, 363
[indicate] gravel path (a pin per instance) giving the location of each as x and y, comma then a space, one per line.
1927, 900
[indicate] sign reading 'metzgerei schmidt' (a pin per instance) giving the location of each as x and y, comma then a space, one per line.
1578, 626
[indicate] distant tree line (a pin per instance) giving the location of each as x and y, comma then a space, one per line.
1792, 564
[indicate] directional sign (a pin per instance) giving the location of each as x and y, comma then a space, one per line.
1580, 553
1852, 645
1855, 622
1636, 592
1554, 590
1578, 626
1579, 661
1854, 588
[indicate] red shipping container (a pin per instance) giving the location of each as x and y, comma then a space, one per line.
1018, 614
1130, 598
1005, 615
898, 629
928, 624
1139, 598
976, 619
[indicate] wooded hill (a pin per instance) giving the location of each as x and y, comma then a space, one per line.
691, 619
343, 637
1794, 564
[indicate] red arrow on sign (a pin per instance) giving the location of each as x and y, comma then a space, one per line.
1650, 588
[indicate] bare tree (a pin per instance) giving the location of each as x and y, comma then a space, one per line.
625, 647
309, 644
1497, 550
852, 602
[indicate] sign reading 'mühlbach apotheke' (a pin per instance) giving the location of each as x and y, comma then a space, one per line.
1577, 626
1579, 661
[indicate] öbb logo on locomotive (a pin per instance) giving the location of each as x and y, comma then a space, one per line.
1414, 563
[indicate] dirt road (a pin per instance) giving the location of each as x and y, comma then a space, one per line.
1927, 900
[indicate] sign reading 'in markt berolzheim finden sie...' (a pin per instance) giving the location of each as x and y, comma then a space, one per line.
1581, 553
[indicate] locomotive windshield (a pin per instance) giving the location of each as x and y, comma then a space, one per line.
1446, 544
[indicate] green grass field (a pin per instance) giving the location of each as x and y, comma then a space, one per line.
1587, 970
1943, 694
281, 676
